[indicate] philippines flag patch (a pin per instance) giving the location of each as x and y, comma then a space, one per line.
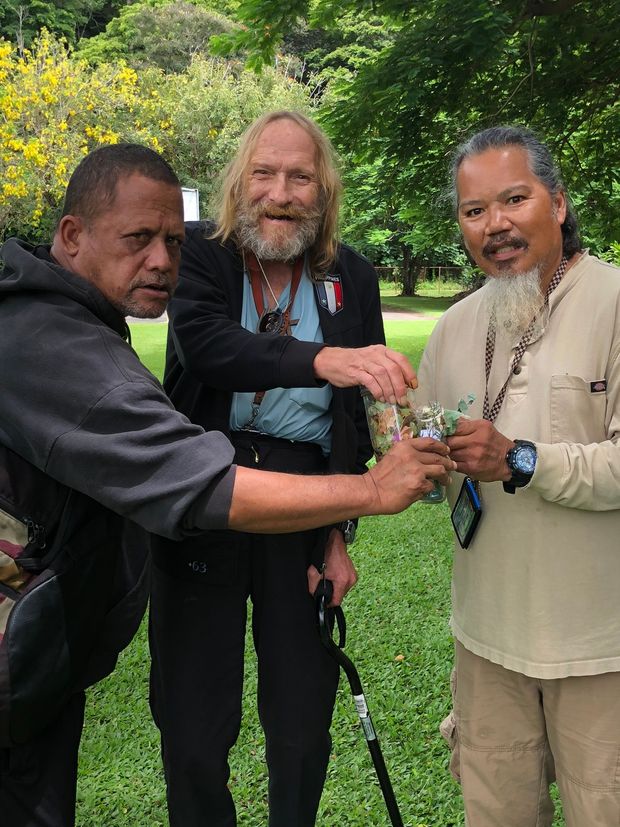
329, 292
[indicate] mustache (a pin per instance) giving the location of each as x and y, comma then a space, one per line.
291, 212
159, 281
503, 241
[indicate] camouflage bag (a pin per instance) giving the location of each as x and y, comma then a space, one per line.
70, 600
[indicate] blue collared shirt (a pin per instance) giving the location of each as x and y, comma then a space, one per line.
290, 413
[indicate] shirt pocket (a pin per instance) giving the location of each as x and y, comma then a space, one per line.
577, 413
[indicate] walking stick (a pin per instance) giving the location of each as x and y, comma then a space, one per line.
323, 596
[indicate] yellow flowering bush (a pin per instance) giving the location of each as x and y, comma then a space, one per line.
53, 110
55, 107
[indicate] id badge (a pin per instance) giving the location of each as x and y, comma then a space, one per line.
466, 513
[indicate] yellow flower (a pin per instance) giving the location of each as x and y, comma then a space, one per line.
16, 190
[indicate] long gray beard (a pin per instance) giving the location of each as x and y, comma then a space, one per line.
280, 247
514, 300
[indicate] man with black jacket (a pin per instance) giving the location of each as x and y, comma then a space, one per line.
87, 438
273, 326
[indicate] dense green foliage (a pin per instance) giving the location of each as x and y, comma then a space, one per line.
396, 84
163, 33
450, 68
21, 20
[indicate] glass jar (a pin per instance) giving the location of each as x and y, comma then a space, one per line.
430, 422
388, 423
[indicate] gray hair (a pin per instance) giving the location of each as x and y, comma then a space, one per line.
540, 162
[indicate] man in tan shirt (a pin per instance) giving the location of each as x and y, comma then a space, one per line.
535, 594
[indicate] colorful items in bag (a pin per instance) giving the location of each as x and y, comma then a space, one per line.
389, 423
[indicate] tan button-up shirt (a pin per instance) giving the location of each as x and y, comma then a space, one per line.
538, 590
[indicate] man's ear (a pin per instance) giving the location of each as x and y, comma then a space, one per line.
559, 206
69, 234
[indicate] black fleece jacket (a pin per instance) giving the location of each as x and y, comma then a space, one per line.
78, 404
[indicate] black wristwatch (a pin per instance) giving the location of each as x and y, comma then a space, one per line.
348, 528
522, 462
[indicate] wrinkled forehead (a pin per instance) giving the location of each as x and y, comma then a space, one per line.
494, 170
139, 199
284, 141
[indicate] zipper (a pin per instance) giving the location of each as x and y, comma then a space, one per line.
36, 533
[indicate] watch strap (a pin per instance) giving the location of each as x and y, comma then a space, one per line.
519, 478
348, 529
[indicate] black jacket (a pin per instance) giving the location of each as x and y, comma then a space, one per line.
87, 438
77, 402
210, 354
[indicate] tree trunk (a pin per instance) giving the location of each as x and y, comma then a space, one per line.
410, 271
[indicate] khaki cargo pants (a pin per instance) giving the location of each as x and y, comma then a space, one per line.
512, 736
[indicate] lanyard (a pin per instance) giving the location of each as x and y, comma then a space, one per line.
273, 321
490, 412
276, 320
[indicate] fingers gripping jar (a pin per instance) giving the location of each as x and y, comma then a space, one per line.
430, 422
389, 423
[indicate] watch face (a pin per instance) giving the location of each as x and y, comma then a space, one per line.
524, 459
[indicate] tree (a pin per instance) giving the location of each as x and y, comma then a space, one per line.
21, 20
54, 110
454, 67
389, 232
163, 33
321, 54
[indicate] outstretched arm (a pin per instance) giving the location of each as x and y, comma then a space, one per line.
268, 502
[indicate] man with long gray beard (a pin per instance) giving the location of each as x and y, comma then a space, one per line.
273, 326
535, 594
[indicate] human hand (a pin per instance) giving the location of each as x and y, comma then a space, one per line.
339, 568
479, 450
386, 373
406, 472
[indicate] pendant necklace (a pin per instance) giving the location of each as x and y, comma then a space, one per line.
271, 321
276, 320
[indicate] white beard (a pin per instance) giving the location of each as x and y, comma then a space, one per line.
514, 300
280, 246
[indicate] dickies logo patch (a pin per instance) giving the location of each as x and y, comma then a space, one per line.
600, 386
329, 292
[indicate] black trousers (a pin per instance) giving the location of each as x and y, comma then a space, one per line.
197, 631
38, 780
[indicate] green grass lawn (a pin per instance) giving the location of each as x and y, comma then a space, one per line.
398, 637
428, 305
431, 299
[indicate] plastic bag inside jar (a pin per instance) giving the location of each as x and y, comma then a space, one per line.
389, 423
